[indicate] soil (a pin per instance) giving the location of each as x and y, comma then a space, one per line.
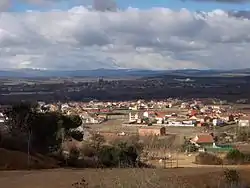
112, 178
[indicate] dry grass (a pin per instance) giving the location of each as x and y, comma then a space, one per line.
12, 160
118, 178
115, 126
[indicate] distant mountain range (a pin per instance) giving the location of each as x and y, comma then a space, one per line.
115, 73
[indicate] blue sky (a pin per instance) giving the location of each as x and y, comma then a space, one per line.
144, 4
175, 4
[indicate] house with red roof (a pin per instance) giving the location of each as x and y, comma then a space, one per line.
203, 140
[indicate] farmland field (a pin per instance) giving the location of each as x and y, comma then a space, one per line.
112, 178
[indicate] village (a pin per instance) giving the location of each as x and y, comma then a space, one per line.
173, 124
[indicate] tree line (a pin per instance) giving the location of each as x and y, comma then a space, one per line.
29, 130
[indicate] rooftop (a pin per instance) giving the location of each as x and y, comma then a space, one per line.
205, 138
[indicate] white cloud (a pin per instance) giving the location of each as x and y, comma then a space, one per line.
151, 39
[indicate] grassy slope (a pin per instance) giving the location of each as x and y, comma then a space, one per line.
12, 160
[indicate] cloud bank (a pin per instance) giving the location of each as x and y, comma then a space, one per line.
158, 38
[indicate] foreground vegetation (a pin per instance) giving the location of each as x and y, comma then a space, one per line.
233, 157
230, 178
124, 178
28, 130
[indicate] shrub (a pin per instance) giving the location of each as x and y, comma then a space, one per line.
97, 141
77, 135
120, 155
243, 136
74, 154
88, 150
133, 141
232, 177
108, 156
236, 157
127, 155
13, 143
189, 147
80, 184
208, 159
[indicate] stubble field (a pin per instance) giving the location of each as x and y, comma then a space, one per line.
117, 178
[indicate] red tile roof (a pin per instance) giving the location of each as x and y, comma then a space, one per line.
161, 114
206, 138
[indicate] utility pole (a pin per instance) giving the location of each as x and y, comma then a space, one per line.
171, 165
165, 158
177, 158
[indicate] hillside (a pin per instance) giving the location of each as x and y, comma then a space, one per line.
118, 73
16, 160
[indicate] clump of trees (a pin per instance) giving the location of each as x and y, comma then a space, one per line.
35, 132
236, 157
118, 154
45, 132
188, 147
233, 157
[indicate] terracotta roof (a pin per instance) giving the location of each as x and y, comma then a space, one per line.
206, 138
160, 114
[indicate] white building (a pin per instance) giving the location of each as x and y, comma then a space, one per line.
133, 117
133, 107
215, 122
243, 123
2, 118
146, 114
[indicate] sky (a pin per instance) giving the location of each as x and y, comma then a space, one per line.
141, 34
141, 4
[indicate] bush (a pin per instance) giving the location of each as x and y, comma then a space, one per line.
243, 136
14, 143
108, 156
120, 155
208, 159
132, 141
80, 184
74, 154
88, 150
77, 135
97, 141
189, 147
237, 157
127, 155
232, 177
234, 157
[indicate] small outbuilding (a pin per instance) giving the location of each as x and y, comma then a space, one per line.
152, 131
